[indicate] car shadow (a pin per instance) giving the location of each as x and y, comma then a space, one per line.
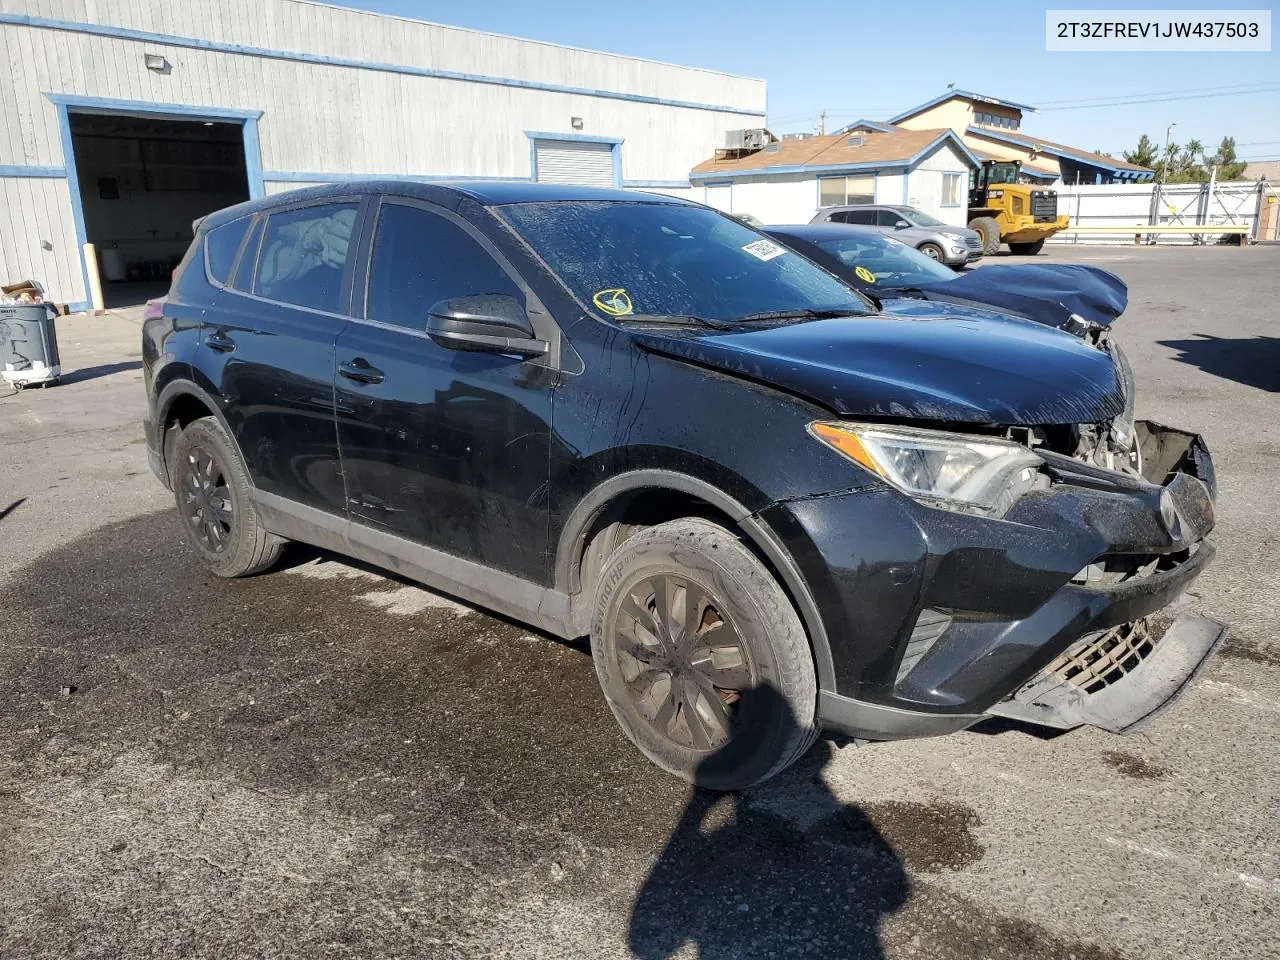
1253, 361
103, 370
737, 880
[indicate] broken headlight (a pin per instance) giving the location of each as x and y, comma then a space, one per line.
958, 470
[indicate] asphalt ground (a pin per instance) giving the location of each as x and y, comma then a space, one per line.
326, 762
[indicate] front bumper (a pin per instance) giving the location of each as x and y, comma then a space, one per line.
935, 619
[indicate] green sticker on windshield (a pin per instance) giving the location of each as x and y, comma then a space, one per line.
865, 275
615, 301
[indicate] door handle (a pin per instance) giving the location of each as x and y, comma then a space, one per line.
360, 371
219, 341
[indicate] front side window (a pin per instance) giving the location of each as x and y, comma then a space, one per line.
919, 218
303, 254
421, 258
893, 264
951, 189
672, 260
889, 218
837, 191
222, 244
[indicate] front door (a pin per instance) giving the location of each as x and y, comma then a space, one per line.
270, 337
446, 448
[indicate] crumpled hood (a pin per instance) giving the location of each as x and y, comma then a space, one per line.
983, 368
1047, 293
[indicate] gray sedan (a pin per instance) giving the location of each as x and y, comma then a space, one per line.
954, 246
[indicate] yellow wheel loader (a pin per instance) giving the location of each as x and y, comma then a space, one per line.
1005, 211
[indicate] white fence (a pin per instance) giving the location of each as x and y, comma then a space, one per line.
1149, 204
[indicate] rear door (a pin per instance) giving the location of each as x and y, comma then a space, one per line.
446, 448
269, 343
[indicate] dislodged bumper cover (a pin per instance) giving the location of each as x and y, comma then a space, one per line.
1071, 693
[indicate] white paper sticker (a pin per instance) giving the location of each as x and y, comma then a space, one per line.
764, 249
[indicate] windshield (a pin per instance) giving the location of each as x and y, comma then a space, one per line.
920, 219
886, 261
674, 261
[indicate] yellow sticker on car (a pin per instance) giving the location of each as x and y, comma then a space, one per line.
615, 301
865, 275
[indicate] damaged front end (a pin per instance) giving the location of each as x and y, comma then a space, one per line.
1055, 608
1122, 675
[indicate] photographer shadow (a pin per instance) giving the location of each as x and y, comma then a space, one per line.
737, 879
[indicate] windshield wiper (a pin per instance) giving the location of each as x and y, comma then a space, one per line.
675, 320
804, 313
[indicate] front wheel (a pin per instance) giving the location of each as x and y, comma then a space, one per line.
1026, 249
989, 229
932, 251
701, 656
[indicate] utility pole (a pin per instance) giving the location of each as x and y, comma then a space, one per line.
1164, 173
822, 123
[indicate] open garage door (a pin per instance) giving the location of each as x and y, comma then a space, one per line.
574, 161
143, 180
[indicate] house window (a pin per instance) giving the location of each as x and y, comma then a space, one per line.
951, 189
838, 191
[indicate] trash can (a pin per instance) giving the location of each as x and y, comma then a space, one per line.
28, 345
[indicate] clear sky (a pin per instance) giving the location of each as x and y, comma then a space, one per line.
874, 60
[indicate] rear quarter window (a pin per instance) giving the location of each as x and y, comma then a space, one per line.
221, 246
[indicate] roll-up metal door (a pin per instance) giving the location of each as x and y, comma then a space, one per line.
574, 161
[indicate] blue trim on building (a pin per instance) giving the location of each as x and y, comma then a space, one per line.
67, 104
964, 95
615, 144
73, 188
32, 170
873, 124
1030, 143
193, 43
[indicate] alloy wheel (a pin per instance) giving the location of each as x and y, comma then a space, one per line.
683, 661
206, 500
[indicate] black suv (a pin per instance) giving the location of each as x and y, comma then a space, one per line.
632, 417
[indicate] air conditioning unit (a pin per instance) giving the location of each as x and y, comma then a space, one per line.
755, 138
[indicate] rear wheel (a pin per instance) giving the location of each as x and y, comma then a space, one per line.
932, 251
989, 230
1027, 249
702, 657
213, 494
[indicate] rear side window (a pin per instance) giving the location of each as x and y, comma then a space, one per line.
243, 280
222, 244
420, 258
865, 217
303, 254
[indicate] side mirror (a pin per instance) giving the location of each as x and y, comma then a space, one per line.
485, 324
901, 225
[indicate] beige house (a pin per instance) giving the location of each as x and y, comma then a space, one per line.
991, 129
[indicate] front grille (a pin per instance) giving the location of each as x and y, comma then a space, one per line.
1101, 660
929, 628
973, 243
1044, 205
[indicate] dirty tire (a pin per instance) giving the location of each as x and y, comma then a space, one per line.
206, 467
932, 251
1027, 249
746, 632
989, 230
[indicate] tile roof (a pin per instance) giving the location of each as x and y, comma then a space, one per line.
882, 149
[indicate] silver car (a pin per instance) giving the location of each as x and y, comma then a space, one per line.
954, 246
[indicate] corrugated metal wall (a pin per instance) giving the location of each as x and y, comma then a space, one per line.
37, 211
322, 118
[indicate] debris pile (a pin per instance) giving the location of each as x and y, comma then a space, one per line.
22, 292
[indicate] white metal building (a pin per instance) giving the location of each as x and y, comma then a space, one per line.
788, 181
124, 121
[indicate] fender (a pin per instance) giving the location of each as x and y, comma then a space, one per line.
572, 543
179, 387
